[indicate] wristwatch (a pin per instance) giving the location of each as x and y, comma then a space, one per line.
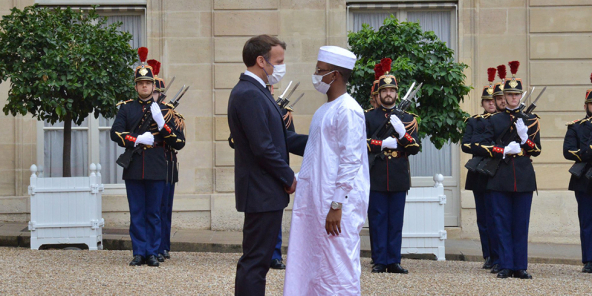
336, 205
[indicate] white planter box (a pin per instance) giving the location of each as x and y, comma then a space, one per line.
423, 224
66, 210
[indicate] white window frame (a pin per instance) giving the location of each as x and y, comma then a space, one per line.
93, 123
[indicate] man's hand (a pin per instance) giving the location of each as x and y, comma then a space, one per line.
157, 115
398, 125
292, 188
390, 143
512, 148
146, 138
522, 130
333, 222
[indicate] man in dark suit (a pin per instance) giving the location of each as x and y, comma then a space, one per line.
263, 177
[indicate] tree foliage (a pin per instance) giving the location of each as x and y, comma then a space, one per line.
417, 56
64, 65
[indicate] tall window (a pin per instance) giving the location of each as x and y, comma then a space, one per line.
440, 18
91, 141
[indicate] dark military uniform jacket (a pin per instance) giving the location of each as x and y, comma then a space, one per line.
577, 147
475, 127
150, 163
515, 173
390, 171
171, 148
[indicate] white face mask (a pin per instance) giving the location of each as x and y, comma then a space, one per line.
319, 85
278, 73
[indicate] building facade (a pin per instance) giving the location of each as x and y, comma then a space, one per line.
200, 43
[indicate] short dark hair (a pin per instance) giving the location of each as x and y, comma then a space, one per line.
259, 46
345, 73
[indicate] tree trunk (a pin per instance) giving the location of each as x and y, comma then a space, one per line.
67, 146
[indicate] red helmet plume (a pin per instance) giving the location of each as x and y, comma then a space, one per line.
491, 74
514, 67
143, 53
154, 65
386, 65
378, 71
501, 72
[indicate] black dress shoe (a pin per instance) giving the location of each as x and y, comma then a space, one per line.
504, 273
277, 264
488, 263
522, 274
137, 261
396, 268
166, 254
495, 268
160, 257
587, 268
378, 268
152, 261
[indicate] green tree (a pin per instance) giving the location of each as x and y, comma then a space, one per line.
417, 56
64, 65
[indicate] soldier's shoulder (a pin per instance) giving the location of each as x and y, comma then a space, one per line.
412, 114
534, 115
580, 121
124, 102
368, 110
179, 115
168, 105
470, 118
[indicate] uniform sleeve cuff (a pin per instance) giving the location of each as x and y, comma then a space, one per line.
340, 195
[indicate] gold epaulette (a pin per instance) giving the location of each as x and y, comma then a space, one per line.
179, 115
368, 110
536, 115
169, 105
474, 116
412, 114
486, 115
573, 122
124, 102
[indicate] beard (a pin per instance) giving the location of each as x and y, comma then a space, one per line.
388, 100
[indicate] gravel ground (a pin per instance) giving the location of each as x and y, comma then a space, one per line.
60, 272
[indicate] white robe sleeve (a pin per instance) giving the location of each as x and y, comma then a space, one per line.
351, 134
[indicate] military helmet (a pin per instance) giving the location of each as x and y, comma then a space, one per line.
143, 72
387, 80
513, 85
498, 89
489, 90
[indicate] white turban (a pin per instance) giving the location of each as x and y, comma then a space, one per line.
337, 56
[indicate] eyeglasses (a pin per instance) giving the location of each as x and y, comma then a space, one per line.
319, 71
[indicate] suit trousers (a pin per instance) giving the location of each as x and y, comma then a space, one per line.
277, 252
491, 234
481, 209
166, 216
511, 216
385, 217
144, 197
259, 239
585, 217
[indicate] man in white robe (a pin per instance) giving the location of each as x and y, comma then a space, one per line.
331, 199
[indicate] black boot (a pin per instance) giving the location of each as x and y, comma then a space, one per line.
160, 258
488, 263
152, 261
505, 273
166, 254
137, 261
396, 268
587, 268
378, 268
522, 274
277, 264
495, 268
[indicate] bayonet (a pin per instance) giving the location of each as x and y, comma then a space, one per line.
169, 85
283, 99
408, 91
178, 93
298, 99
175, 101
533, 105
285, 91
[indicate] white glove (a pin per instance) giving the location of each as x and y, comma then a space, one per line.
522, 130
146, 138
398, 125
157, 115
512, 148
390, 143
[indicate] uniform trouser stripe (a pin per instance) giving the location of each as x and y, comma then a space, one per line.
144, 198
385, 217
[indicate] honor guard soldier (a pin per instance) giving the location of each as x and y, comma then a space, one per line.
510, 139
577, 147
478, 182
390, 177
166, 208
145, 176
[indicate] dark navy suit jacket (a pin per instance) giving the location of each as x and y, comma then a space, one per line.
261, 148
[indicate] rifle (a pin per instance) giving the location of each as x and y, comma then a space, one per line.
399, 110
125, 158
489, 166
282, 100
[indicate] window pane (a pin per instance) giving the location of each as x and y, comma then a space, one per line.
111, 173
61, 124
53, 149
430, 160
131, 24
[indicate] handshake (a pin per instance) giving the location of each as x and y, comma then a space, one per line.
292, 187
